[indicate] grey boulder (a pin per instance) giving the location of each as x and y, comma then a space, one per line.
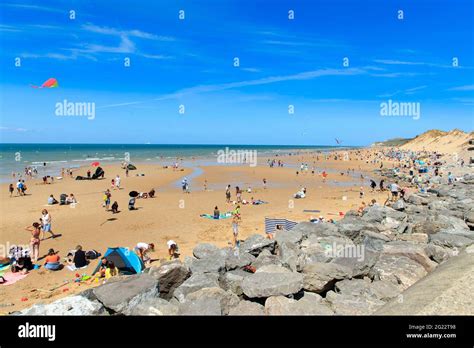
170, 275
263, 284
256, 243
72, 305
122, 296
247, 308
194, 283
320, 277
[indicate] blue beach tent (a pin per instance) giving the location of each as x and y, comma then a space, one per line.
124, 259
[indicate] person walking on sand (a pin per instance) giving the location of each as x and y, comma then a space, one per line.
35, 230
227, 194
19, 188
107, 196
183, 184
11, 189
112, 184
394, 188
235, 226
117, 182
264, 183
238, 194
373, 185
46, 223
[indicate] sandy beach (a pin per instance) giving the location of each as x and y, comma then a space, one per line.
172, 214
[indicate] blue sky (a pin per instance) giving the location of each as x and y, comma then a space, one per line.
190, 62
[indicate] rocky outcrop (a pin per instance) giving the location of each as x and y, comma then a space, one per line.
413, 257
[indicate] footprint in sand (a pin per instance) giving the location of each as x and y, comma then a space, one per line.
212, 234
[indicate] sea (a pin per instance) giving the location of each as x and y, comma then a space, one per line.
48, 159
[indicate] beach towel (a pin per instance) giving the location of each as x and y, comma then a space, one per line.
221, 216
12, 278
311, 211
4, 267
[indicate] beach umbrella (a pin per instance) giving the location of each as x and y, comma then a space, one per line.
95, 164
133, 194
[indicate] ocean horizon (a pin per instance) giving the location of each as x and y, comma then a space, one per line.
14, 157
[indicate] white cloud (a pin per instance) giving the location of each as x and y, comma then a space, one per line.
462, 88
126, 45
35, 8
48, 55
307, 75
125, 33
156, 56
397, 62
13, 129
250, 69
407, 91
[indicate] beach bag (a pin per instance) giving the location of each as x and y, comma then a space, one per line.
92, 254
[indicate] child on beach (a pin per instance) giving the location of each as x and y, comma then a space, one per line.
11, 189
115, 208
172, 249
235, 226
102, 268
111, 270
112, 184
107, 196
142, 250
